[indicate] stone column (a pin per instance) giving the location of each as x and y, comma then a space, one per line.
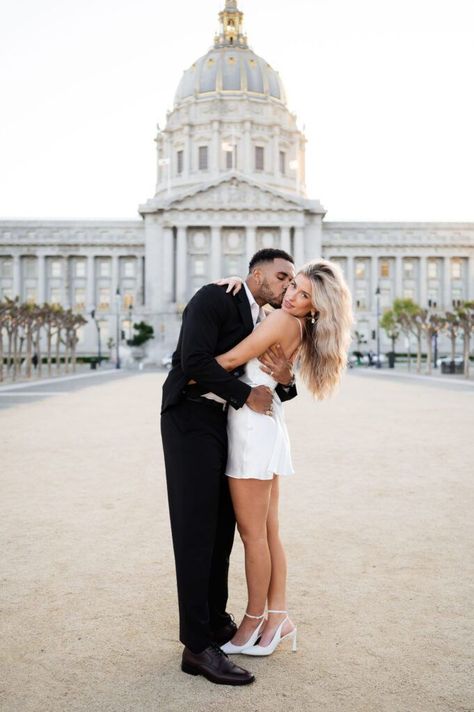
186, 152
312, 248
447, 283
166, 276
398, 277
41, 290
374, 281
250, 243
115, 281
276, 151
285, 242
422, 277
16, 276
90, 283
350, 275
216, 252
299, 245
66, 301
470, 277
181, 267
139, 281
153, 268
215, 151
247, 158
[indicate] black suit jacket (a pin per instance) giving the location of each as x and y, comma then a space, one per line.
213, 323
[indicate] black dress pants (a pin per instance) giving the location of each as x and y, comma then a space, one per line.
202, 517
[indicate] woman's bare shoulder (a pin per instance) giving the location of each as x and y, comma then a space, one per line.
280, 319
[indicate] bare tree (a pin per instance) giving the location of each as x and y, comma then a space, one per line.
466, 320
452, 326
432, 325
407, 315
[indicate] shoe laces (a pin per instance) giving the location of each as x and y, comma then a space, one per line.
218, 650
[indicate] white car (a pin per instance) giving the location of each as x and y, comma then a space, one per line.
166, 361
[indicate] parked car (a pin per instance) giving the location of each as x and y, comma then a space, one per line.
166, 361
366, 361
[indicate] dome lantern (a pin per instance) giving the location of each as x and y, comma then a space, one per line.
231, 34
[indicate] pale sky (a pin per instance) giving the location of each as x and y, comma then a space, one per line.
384, 89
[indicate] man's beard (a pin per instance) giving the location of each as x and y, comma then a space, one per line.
272, 299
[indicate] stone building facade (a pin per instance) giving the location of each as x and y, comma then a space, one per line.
230, 180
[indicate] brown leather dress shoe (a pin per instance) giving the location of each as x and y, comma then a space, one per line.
225, 633
214, 665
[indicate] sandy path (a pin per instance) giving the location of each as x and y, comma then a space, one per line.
378, 523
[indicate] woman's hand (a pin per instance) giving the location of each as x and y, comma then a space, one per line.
277, 365
235, 283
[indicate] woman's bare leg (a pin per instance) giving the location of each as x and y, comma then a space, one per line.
277, 588
251, 499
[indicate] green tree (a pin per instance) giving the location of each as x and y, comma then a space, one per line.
407, 314
465, 314
390, 325
144, 333
452, 325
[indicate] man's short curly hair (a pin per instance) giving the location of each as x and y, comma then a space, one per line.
268, 255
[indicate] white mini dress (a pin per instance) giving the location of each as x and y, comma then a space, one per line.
259, 446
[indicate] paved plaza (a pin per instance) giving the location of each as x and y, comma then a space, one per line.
378, 523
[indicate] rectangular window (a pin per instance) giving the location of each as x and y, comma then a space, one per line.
229, 163
199, 268
55, 296
56, 270
104, 298
360, 269
79, 299
104, 268
408, 270
29, 267
259, 158
202, 158
6, 292
282, 163
80, 268
408, 294
384, 269
128, 299
361, 299
432, 269
129, 268
456, 271
179, 162
30, 295
6, 268
432, 298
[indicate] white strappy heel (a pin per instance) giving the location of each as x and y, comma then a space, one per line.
276, 640
231, 649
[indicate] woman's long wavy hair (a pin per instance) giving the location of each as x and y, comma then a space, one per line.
323, 354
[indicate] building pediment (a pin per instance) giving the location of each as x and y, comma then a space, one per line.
232, 193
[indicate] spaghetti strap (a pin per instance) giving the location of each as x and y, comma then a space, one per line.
301, 327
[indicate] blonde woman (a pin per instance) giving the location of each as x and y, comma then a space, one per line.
312, 325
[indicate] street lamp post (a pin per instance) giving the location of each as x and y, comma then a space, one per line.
130, 308
99, 354
377, 294
117, 303
435, 336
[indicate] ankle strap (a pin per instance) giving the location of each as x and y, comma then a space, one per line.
269, 611
257, 618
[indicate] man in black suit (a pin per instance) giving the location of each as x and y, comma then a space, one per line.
194, 433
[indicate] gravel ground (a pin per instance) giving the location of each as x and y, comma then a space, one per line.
378, 526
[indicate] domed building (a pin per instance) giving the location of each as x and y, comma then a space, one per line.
231, 173
230, 180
